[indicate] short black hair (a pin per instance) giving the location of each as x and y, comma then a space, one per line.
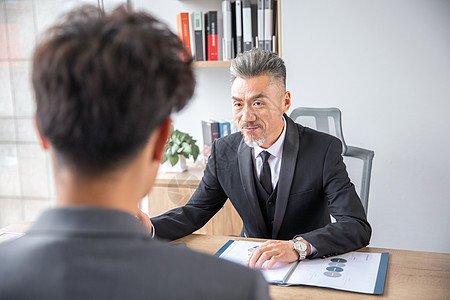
104, 82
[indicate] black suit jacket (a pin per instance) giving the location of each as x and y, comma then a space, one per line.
313, 184
91, 253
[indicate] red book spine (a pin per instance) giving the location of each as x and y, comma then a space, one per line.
183, 31
211, 36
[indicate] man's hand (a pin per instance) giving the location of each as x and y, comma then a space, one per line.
145, 220
274, 251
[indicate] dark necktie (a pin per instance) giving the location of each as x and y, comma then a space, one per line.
266, 178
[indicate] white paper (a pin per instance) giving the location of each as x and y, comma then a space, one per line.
353, 271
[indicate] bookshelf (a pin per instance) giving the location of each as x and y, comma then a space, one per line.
197, 5
212, 64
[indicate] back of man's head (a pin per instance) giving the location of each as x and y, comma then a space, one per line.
104, 82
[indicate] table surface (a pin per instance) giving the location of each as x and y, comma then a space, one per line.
410, 274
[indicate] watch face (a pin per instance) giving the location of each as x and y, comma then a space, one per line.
300, 246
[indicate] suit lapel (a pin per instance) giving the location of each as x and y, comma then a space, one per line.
246, 171
288, 164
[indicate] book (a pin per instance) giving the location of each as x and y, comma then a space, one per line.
211, 132
247, 32
260, 18
268, 24
360, 272
197, 28
184, 31
212, 48
224, 128
238, 22
227, 32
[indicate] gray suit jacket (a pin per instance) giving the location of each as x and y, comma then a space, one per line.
87, 253
313, 184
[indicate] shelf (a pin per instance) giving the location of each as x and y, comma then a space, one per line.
212, 64
216, 5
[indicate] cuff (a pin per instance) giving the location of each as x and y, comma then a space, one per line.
153, 232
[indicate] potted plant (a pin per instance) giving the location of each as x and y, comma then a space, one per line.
180, 146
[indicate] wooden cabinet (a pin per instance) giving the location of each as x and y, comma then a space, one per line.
175, 189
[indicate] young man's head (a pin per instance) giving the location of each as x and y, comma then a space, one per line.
104, 83
259, 96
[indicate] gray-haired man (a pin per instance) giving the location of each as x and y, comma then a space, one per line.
283, 179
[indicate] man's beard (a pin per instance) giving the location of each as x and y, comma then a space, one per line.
252, 142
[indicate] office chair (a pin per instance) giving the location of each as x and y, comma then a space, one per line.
322, 117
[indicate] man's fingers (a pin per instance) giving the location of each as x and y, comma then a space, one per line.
274, 251
263, 258
255, 256
273, 260
144, 219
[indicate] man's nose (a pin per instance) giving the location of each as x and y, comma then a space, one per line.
248, 115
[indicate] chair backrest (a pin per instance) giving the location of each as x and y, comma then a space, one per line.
322, 117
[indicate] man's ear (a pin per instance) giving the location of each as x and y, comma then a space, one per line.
286, 101
163, 133
43, 140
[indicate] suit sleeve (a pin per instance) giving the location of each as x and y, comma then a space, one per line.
351, 230
207, 199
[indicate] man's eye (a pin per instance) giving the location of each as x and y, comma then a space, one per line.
237, 105
257, 103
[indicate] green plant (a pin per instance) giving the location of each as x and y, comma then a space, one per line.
180, 143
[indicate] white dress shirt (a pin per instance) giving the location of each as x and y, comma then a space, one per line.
276, 154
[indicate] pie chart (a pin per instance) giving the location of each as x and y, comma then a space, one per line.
332, 274
340, 260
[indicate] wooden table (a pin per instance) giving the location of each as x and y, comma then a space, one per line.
410, 274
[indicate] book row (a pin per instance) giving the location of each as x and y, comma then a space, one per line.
212, 130
243, 24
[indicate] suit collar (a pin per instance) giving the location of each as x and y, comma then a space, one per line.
287, 170
84, 220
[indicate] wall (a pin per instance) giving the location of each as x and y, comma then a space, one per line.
386, 65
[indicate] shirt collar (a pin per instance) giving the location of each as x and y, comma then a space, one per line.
276, 149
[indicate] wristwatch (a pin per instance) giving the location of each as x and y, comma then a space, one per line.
300, 247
